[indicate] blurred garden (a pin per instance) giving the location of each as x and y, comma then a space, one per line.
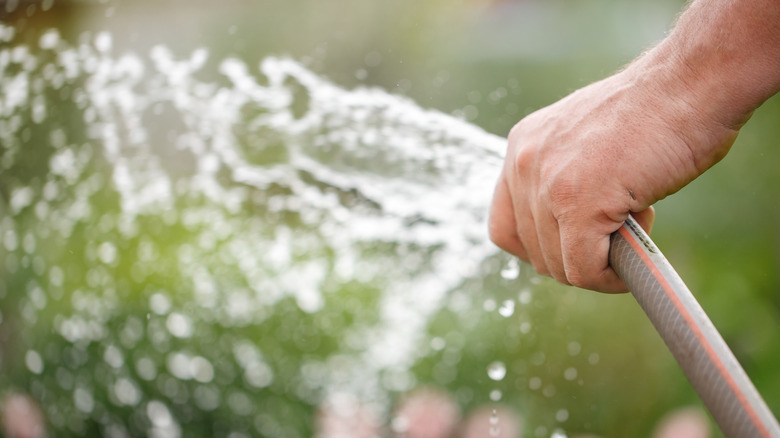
268, 218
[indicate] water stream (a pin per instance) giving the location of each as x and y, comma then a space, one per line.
189, 240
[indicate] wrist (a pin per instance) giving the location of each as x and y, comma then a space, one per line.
690, 88
722, 58
687, 101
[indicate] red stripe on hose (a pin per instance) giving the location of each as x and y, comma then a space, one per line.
669, 290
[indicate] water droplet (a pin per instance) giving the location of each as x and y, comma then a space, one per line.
127, 392
49, 39
107, 252
11, 6
207, 398
21, 198
574, 348
511, 271
507, 308
83, 400
570, 373
103, 42
538, 358
259, 375
562, 415
489, 305
159, 304
113, 356
494, 429
438, 343
496, 395
373, 58
178, 364
179, 325
558, 433
146, 368
201, 369
496, 370
525, 296
159, 415
33, 361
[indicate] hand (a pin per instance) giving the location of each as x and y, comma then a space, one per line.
575, 170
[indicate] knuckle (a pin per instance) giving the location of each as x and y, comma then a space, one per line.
521, 148
517, 131
563, 195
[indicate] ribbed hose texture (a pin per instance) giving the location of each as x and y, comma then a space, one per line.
695, 343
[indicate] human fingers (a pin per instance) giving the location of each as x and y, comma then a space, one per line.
585, 253
549, 235
502, 225
645, 218
527, 232
512, 228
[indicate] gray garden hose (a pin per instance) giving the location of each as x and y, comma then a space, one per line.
707, 361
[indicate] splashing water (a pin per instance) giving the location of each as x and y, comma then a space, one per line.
153, 204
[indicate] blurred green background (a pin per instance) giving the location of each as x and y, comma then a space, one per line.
489, 63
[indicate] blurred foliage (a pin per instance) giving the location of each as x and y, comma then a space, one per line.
490, 63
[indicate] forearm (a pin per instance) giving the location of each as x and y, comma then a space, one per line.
725, 57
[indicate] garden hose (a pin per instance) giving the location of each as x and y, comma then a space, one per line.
705, 358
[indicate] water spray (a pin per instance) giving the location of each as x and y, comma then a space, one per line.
361, 167
695, 343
